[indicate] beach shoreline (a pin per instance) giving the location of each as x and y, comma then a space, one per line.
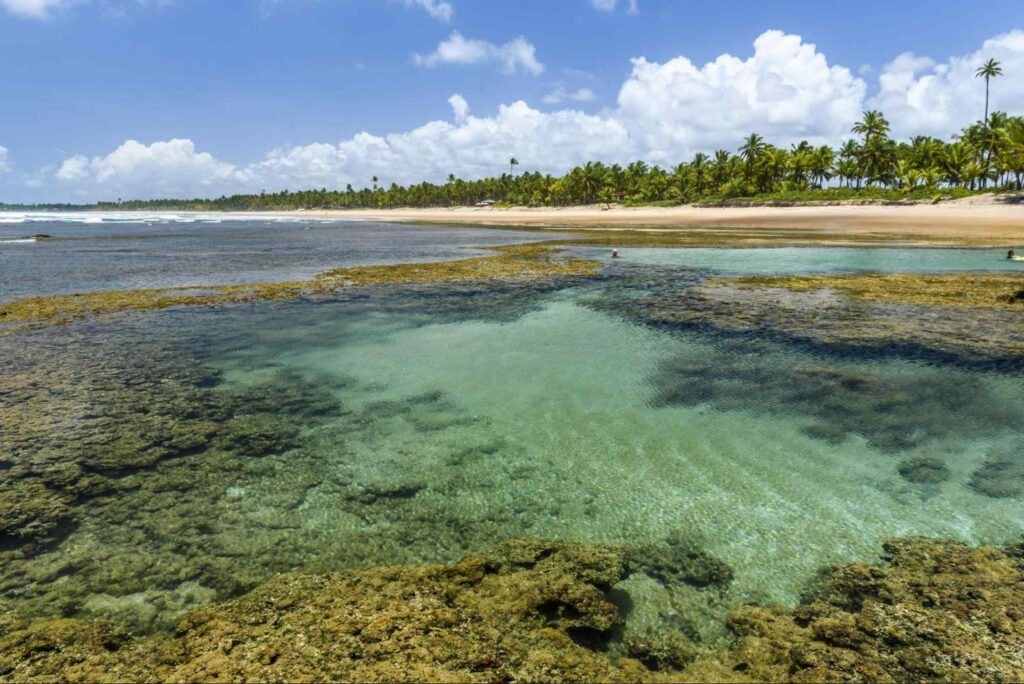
976, 221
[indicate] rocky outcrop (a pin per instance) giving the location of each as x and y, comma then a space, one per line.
538, 611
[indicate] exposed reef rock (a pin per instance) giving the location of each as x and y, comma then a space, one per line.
936, 611
512, 262
537, 611
968, 330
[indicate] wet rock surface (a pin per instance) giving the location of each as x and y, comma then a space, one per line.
933, 610
963, 333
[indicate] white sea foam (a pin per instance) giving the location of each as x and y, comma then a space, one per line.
97, 217
16, 241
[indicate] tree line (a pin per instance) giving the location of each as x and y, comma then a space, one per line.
987, 155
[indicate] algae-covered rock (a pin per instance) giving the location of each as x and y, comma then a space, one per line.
923, 470
477, 620
601, 566
935, 611
30, 512
681, 560
1000, 478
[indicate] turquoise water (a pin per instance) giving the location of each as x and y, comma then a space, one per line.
588, 448
415, 424
756, 261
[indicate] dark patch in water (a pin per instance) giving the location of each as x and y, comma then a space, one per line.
892, 413
681, 560
923, 470
999, 478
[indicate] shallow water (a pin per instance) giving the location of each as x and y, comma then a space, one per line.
412, 424
117, 251
778, 260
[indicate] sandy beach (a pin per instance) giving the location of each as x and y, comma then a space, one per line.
980, 221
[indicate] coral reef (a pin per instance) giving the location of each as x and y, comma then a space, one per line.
891, 412
923, 470
939, 322
951, 289
1000, 478
538, 611
936, 611
512, 262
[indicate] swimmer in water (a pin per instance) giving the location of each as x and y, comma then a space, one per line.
615, 254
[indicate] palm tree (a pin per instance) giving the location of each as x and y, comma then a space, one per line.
374, 179
512, 164
988, 70
873, 124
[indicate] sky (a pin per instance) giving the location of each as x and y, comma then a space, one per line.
108, 99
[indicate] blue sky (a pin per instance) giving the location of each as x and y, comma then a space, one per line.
229, 95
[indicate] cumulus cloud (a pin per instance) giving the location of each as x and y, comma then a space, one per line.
438, 9
162, 169
560, 94
5, 164
786, 91
469, 147
459, 107
514, 56
921, 96
33, 9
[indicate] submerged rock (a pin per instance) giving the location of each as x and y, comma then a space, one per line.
680, 560
1001, 478
893, 413
923, 470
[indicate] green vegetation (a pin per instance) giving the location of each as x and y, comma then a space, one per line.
953, 289
987, 156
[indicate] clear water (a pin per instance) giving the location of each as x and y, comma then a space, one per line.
473, 414
762, 261
118, 251
589, 452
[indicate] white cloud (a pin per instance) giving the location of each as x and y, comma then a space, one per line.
610, 5
163, 169
469, 147
921, 96
5, 164
459, 107
560, 94
438, 9
785, 91
513, 56
34, 9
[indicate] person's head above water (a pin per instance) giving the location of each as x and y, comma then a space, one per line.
1010, 254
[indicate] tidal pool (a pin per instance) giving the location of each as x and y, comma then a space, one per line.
173, 458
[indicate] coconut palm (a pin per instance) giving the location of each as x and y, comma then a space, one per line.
512, 164
873, 124
989, 70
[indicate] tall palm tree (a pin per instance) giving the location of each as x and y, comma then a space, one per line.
872, 124
989, 70
512, 164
